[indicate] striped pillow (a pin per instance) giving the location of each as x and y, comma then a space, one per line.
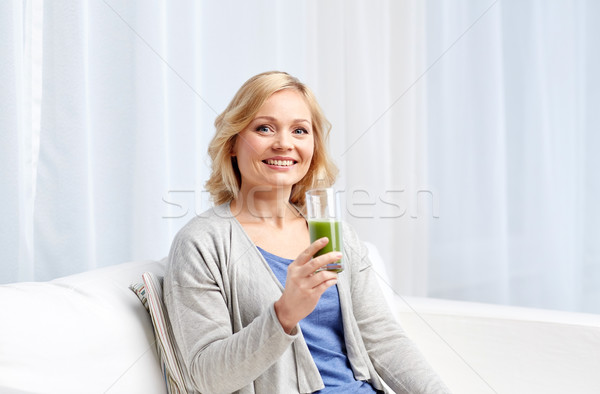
150, 294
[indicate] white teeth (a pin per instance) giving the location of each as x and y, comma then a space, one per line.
280, 162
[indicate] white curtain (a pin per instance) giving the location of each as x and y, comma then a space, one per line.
513, 140
464, 132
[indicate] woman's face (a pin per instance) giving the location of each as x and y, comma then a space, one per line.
276, 148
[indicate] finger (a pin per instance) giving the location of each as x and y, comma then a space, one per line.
322, 286
321, 261
318, 278
315, 281
309, 252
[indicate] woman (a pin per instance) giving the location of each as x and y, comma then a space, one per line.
249, 312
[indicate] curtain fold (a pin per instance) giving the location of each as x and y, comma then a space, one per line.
512, 161
464, 132
466, 153
13, 171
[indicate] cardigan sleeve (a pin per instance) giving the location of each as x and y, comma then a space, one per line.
195, 287
395, 357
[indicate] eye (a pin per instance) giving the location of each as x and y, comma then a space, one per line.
263, 129
300, 131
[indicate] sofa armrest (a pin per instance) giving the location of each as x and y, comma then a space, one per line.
85, 333
484, 348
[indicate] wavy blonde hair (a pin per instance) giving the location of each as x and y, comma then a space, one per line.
225, 178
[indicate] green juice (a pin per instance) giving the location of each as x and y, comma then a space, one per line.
333, 231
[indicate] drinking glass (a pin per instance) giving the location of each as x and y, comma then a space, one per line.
325, 220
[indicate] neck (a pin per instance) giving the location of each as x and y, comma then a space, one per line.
264, 204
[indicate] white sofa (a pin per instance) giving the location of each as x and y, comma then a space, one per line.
85, 333
89, 333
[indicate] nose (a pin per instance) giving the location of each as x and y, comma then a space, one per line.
283, 141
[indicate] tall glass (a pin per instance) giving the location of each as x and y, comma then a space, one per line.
325, 220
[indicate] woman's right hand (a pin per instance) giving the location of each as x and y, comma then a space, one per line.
304, 286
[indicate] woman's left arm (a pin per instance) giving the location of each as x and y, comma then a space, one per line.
395, 357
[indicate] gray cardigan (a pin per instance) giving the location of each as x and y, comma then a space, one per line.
219, 293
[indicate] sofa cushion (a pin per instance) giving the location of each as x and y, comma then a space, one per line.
85, 333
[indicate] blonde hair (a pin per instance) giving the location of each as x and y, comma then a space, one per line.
225, 178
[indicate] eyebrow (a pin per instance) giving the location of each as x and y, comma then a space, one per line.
272, 119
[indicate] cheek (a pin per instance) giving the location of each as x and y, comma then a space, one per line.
310, 157
244, 147
309, 150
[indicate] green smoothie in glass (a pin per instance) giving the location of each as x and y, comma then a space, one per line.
333, 231
324, 220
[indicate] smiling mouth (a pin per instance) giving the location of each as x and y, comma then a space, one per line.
280, 163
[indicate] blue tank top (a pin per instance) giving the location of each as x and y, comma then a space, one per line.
324, 334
